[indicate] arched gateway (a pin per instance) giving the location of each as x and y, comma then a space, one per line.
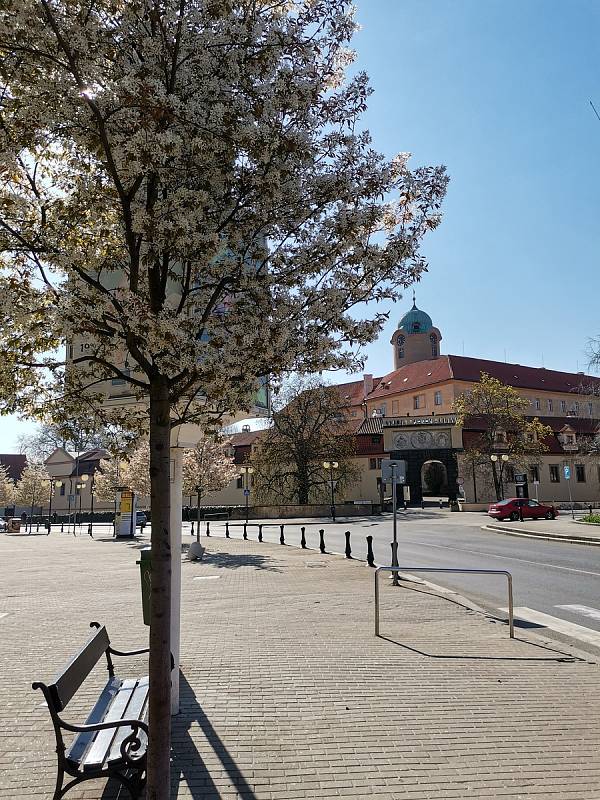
417, 440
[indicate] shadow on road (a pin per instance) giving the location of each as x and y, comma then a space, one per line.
236, 561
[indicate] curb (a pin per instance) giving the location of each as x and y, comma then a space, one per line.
549, 537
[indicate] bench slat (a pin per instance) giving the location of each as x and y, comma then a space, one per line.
135, 710
83, 740
96, 755
73, 675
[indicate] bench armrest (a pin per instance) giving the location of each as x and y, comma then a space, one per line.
114, 652
101, 726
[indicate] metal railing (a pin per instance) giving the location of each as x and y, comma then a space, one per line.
409, 570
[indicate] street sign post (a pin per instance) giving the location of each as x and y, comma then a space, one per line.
567, 471
394, 470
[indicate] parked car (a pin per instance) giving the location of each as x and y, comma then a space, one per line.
3, 525
141, 518
531, 509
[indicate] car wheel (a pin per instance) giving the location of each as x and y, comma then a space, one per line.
514, 516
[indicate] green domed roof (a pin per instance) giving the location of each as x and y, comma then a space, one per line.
415, 321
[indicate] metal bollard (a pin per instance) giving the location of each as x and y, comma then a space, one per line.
441, 503
227, 530
37, 527
192, 528
348, 550
62, 526
322, 540
590, 511
245, 531
281, 536
422, 504
207, 528
370, 554
260, 533
405, 505
303, 539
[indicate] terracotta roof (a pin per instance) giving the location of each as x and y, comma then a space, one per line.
582, 425
353, 392
246, 438
413, 376
15, 464
470, 369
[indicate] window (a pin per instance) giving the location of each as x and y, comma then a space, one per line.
550, 405
500, 437
580, 473
534, 473
591, 409
372, 463
379, 463
394, 406
63, 487
575, 408
554, 473
240, 482
537, 404
434, 345
416, 327
383, 409
509, 473
419, 401
563, 405
120, 381
400, 345
437, 398
376, 439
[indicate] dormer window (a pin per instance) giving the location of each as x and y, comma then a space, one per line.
416, 327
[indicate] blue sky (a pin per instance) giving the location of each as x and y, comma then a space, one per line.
498, 91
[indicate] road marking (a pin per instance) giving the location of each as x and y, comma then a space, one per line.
586, 611
207, 577
559, 625
506, 558
4, 614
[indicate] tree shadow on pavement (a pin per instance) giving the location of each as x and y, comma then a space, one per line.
238, 560
188, 765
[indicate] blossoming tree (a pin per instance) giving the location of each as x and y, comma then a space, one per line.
7, 488
189, 201
207, 468
32, 486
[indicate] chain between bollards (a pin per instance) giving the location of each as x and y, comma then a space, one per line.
303, 539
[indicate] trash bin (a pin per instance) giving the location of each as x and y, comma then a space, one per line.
14, 524
145, 563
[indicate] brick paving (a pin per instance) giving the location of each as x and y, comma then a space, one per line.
285, 691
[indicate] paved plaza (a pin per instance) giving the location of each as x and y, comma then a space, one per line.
285, 691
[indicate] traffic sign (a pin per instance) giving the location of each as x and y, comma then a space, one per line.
567, 471
460, 481
520, 478
246, 492
398, 472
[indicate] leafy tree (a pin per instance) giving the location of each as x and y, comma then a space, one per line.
207, 467
500, 411
310, 427
7, 487
32, 487
131, 470
189, 201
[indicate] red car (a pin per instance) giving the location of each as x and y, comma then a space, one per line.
531, 509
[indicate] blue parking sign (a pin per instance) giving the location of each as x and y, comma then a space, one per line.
567, 471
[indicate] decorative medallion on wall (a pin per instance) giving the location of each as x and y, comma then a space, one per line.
401, 441
422, 440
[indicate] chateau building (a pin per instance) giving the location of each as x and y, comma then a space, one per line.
409, 414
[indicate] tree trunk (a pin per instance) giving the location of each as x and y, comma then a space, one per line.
496, 481
303, 486
159, 745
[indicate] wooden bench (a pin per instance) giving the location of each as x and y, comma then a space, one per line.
113, 740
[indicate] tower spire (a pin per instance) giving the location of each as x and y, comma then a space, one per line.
414, 299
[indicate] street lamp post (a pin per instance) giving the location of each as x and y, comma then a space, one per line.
91, 525
331, 465
502, 459
247, 471
80, 487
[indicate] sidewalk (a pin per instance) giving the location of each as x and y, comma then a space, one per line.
564, 528
285, 691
